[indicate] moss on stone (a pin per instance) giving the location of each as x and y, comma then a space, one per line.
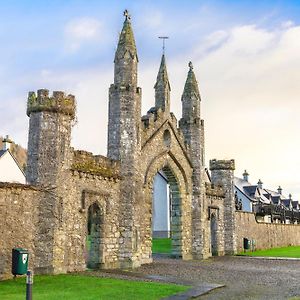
93, 168
65, 105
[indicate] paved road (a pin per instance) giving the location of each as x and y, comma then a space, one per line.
245, 278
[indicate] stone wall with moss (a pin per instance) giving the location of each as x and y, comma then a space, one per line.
86, 189
86, 162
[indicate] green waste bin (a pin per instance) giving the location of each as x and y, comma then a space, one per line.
247, 244
19, 261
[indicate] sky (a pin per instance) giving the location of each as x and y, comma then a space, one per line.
246, 57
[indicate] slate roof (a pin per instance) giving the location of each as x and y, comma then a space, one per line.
250, 190
275, 199
286, 202
254, 193
2, 152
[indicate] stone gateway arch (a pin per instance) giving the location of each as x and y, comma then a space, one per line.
75, 195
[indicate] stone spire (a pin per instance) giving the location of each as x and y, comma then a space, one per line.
191, 84
126, 56
162, 87
191, 96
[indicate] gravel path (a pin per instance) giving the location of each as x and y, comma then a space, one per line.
245, 278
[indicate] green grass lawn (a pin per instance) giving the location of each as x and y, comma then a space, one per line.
65, 287
161, 245
292, 251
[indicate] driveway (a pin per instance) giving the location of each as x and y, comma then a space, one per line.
244, 278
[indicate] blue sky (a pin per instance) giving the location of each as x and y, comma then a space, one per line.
246, 56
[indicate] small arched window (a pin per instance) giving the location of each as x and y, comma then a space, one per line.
167, 138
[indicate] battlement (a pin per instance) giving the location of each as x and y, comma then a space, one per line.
155, 118
86, 162
58, 102
214, 190
154, 115
215, 164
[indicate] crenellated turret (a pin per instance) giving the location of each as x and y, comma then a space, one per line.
49, 159
162, 87
50, 125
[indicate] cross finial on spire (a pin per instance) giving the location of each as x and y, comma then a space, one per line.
126, 14
191, 65
163, 38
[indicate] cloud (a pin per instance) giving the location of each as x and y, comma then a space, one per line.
250, 90
249, 82
80, 31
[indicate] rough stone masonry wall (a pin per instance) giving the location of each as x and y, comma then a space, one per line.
215, 206
266, 235
18, 218
95, 179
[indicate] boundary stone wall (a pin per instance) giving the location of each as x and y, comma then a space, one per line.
18, 219
266, 235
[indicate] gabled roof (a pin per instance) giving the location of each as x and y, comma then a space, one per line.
295, 204
3, 152
275, 199
286, 202
250, 190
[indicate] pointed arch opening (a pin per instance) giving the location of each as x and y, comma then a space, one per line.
166, 214
94, 236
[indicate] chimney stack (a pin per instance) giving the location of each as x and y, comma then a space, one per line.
279, 190
245, 175
259, 184
6, 143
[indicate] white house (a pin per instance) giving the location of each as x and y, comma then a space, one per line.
161, 207
10, 171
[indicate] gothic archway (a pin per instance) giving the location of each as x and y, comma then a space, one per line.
180, 210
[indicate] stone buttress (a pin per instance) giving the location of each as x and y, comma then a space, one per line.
193, 130
49, 156
124, 140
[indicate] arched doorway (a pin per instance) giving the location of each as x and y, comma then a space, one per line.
214, 234
94, 244
166, 214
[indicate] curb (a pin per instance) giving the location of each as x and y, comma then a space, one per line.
269, 257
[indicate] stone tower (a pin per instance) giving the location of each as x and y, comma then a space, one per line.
222, 173
49, 136
162, 88
193, 130
49, 156
124, 139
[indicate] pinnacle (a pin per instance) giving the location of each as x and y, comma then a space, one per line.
126, 39
162, 76
191, 84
